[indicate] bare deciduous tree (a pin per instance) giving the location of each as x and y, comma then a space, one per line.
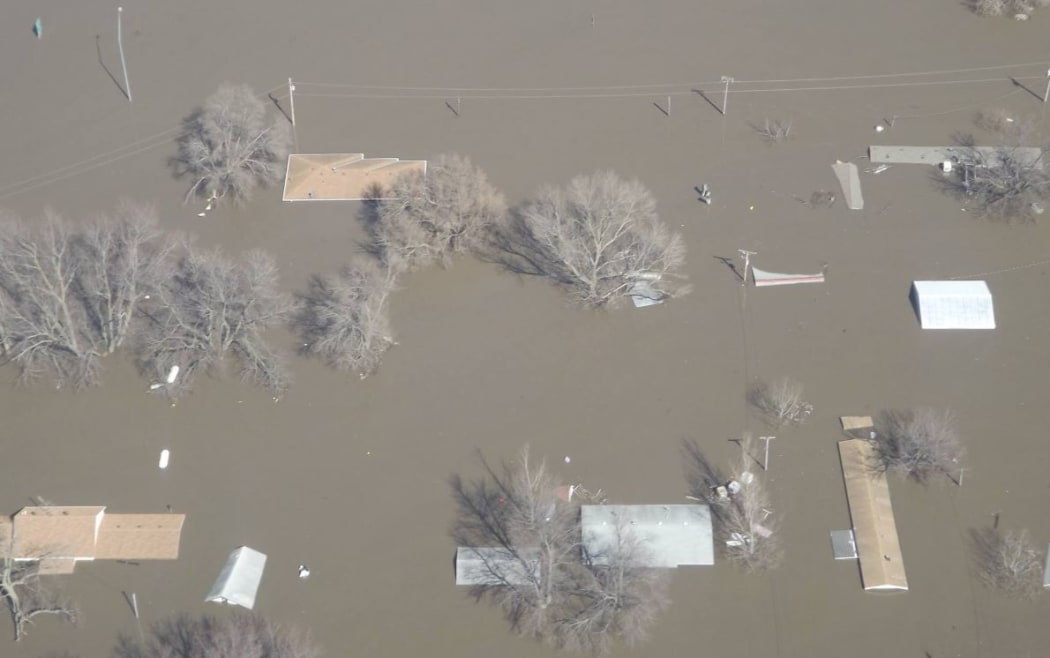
918, 443
773, 131
27, 597
212, 307
345, 319
229, 147
121, 261
1005, 184
42, 324
1005, 7
559, 595
1007, 561
781, 401
599, 237
747, 532
425, 219
241, 635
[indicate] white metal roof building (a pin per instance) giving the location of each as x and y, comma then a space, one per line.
673, 535
239, 579
953, 304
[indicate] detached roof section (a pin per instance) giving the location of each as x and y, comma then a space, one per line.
932, 155
239, 579
953, 304
672, 535
496, 566
342, 176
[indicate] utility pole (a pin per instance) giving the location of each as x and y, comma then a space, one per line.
765, 462
1046, 94
291, 99
725, 95
747, 262
120, 47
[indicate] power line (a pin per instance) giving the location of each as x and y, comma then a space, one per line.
686, 92
678, 84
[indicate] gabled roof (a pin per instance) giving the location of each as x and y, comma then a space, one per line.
874, 526
56, 532
496, 566
670, 535
139, 536
238, 582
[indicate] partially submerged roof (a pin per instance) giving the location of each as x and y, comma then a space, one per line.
239, 579
496, 566
933, 155
342, 176
849, 179
139, 536
953, 304
858, 427
671, 535
56, 532
870, 509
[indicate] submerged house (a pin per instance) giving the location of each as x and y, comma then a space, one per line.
669, 535
60, 536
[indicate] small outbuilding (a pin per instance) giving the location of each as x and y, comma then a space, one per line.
495, 565
672, 535
239, 579
953, 304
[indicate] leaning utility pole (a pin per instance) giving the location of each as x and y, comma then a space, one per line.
725, 94
747, 262
120, 47
765, 462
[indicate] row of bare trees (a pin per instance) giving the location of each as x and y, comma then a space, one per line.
599, 236
72, 295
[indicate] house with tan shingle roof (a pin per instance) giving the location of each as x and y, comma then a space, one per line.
60, 536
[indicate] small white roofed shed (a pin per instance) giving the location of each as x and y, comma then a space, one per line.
672, 535
953, 304
239, 579
495, 565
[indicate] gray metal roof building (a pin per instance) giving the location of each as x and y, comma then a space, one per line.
673, 535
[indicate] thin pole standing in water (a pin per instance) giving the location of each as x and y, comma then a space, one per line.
120, 47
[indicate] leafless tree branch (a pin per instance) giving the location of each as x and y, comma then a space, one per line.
345, 318
747, 531
1007, 561
1006, 184
559, 595
423, 220
918, 443
242, 635
599, 236
121, 261
780, 401
211, 308
229, 147
27, 597
42, 325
